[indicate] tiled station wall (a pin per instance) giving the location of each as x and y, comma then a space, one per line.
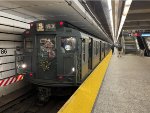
11, 28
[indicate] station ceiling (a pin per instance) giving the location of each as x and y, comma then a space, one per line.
60, 10
81, 13
138, 17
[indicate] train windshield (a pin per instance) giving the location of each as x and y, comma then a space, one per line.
47, 47
68, 44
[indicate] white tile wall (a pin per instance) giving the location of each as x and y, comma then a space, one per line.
11, 28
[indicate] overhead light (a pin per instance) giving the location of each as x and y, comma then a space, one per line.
125, 12
111, 18
126, 9
128, 2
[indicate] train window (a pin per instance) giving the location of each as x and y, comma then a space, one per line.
97, 45
102, 47
47, 47
68, 44
94, 47
29, 44
83, 49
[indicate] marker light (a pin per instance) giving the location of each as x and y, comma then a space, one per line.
61, 23
73, 69
60, 77
23, 65
31, 74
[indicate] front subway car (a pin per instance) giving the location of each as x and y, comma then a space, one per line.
55, 57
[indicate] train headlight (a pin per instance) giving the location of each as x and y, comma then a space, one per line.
24, 66
68, 47
73, 69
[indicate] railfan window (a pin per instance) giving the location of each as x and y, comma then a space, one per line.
83, 50
68, 44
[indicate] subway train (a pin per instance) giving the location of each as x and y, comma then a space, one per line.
58, 56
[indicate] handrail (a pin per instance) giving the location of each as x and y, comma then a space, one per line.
137, 45
145, 46
123, 40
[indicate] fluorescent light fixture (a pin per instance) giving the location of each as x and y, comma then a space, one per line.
126, 9
111, 17
125, 12
128, 2
109, 4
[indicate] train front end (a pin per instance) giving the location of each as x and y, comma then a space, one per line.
54, 55
53, 62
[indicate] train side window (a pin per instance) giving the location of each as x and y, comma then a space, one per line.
28, 45
100, 46
68, 44
83, 49
97, 48
94, 47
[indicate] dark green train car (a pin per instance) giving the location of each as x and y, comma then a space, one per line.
61, 55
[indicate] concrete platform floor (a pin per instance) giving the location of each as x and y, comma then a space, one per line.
126, 86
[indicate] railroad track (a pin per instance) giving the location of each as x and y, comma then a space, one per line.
29, 104
15, 102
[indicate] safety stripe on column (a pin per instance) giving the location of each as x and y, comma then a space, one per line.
10, 80
83, 99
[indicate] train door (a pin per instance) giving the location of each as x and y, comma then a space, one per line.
100, 51
84, 55
46, 57
147, 45
67, 59
90, 54
104, 49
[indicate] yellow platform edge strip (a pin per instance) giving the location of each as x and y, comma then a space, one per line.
83, 99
